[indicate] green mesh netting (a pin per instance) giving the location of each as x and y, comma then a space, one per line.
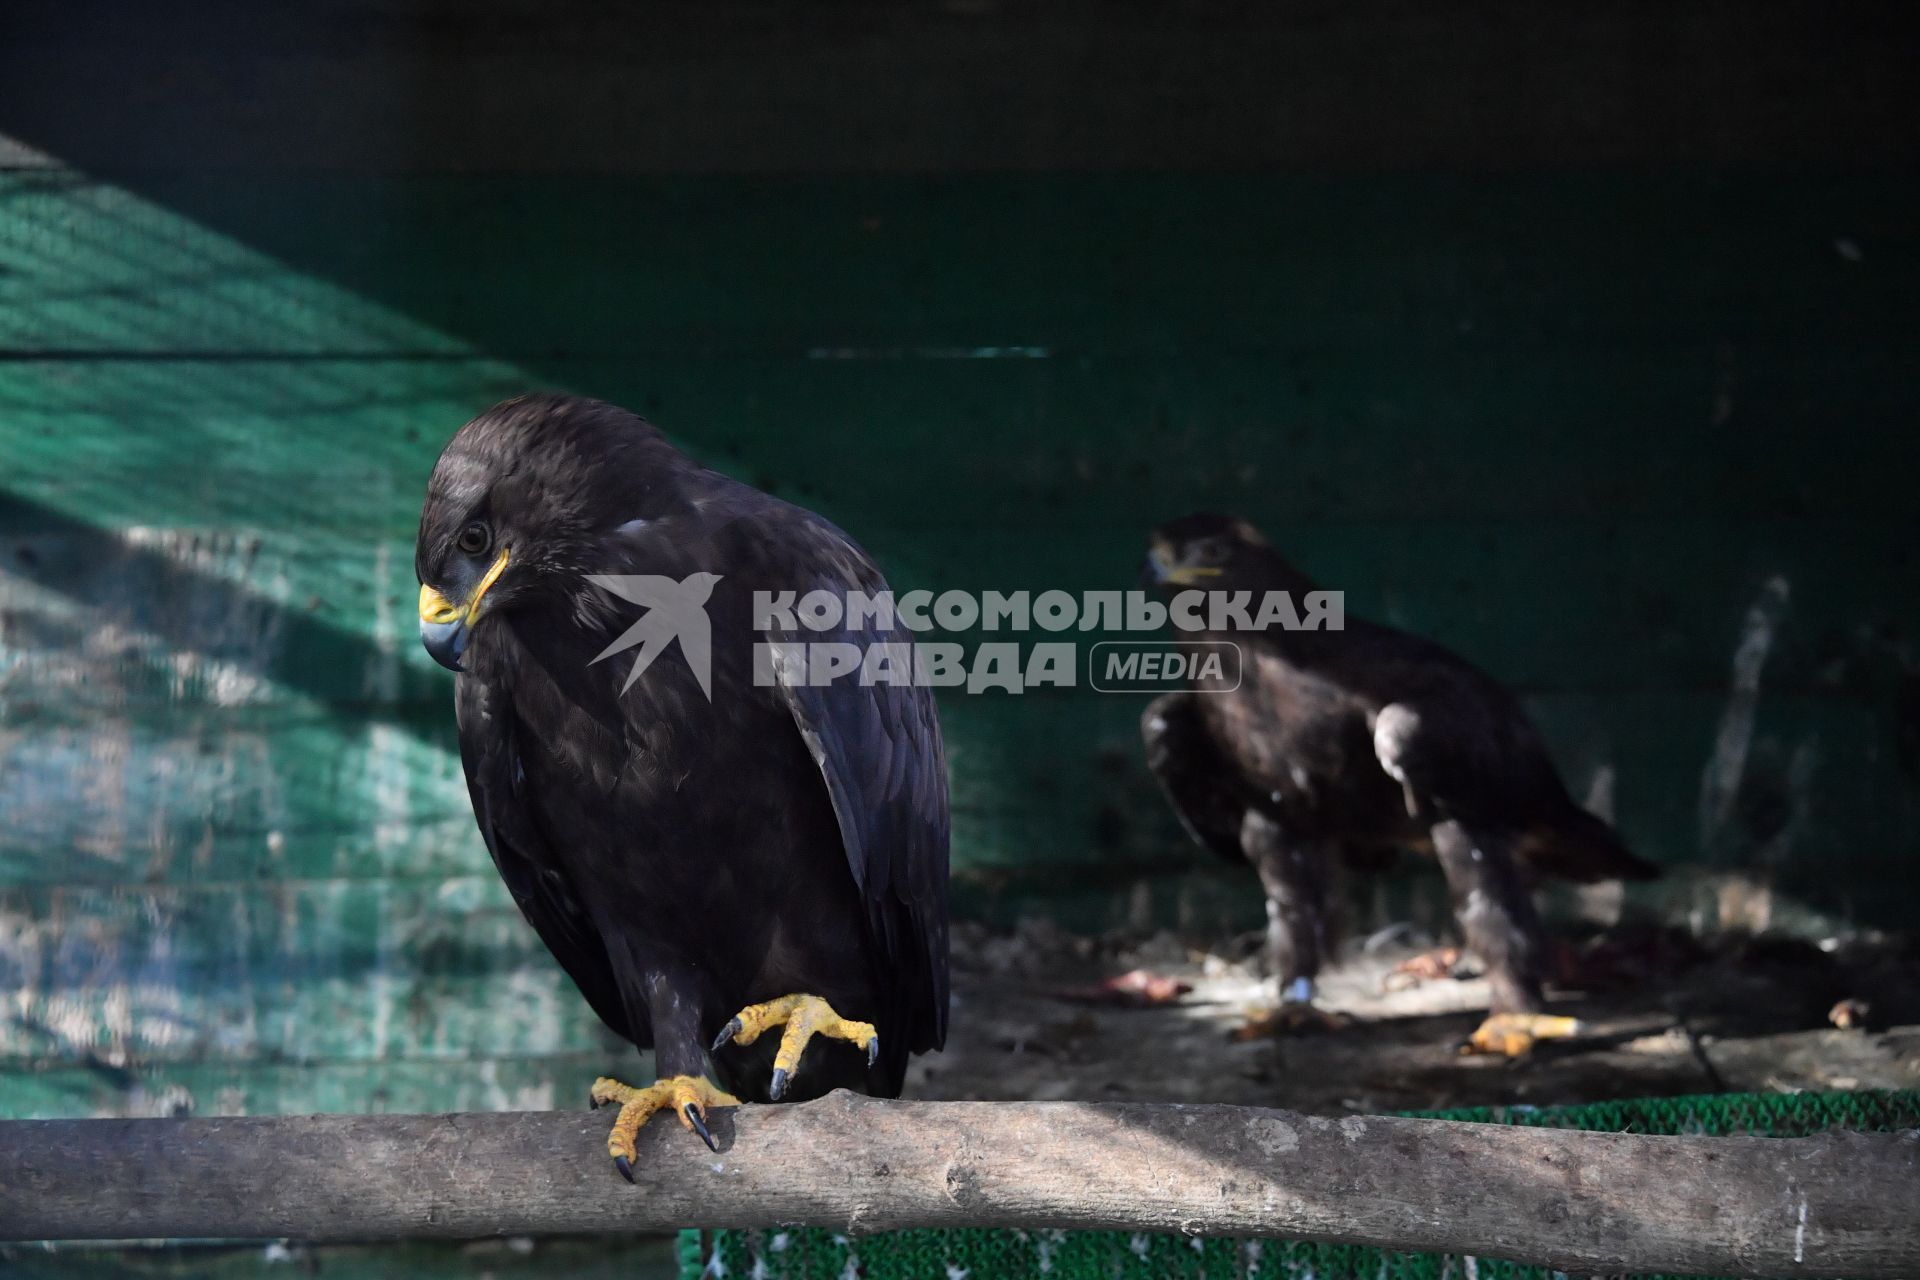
816, 1254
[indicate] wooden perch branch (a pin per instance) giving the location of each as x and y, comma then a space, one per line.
1836, 1204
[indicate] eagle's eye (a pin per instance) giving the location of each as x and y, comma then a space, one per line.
474, 539
1210, 551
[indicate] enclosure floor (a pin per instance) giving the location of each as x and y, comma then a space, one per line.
1664, 1014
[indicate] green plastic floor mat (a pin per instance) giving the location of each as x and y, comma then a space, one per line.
816, 1254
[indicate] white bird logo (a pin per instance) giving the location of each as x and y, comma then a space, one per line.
676, 610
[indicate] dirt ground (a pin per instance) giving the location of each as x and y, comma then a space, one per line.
1662, 1013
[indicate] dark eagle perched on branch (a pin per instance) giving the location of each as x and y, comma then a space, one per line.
1343, 746
710, 858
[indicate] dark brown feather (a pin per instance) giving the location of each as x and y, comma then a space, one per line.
684, 856
1347, 744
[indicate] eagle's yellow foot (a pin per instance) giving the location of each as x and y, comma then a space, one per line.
804, 1018
1512, 1035
1290, 1018
689, 1096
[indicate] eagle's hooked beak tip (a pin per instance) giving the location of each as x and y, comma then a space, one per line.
445, 642
1153, 570
444, 625
443, 629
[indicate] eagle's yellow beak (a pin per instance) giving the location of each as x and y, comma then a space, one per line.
1163, 568
444, 624
436, 608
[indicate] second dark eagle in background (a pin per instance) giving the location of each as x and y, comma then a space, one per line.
1340, 746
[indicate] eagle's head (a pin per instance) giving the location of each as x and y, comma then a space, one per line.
519, 505
1209, 551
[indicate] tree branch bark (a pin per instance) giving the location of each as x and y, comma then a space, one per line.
1835, 1204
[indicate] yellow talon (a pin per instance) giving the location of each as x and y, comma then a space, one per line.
804, 1018
1512, 1035
689, 1096
1289, 1019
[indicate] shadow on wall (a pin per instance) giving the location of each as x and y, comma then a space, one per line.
166, 616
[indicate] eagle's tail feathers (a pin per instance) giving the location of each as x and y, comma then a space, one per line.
1584, 849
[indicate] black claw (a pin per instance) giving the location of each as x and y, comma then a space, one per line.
727, 1033
625, 1166
692, 1113
779, 1086
593, 1103
873, 1051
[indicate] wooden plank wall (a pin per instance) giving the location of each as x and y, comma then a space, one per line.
1587, 345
